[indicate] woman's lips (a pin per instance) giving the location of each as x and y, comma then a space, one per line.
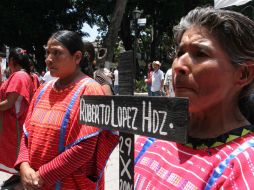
181, 84
183, 88
52, 68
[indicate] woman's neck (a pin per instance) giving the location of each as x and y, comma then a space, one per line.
17, 68
62, 83
215, 121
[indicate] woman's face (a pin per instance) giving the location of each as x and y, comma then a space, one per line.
150, 66
59, 60
202, 70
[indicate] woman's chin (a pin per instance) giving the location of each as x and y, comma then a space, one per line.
53, 73
193, 109
193, 100
182, 93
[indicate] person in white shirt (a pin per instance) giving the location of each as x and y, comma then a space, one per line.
116, 82
157, 79
47, 77
168, 84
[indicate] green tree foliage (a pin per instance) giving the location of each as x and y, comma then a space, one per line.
29, 23
155, 39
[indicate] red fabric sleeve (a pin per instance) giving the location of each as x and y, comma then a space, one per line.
21, 83
69, 161
23, 153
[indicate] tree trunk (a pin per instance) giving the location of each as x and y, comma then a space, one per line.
155, 37
113, 30
125, 33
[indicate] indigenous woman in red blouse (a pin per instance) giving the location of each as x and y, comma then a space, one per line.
214, 68
57, 152
15, 96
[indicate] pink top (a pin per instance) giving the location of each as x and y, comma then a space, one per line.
170, 166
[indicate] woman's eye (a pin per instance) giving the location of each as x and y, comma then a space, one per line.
179, 53
55, 52
201, 54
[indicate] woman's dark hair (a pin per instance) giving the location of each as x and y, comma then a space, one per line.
20, 57
235, 33
150, 67
73, 42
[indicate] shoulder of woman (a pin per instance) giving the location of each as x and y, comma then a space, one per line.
106, 89
93, 83
92, 88
21, 74
34, 75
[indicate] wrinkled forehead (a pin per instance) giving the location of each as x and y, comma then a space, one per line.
199, 36
196, 33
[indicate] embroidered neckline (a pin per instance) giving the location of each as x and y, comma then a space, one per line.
68, 87
198, 143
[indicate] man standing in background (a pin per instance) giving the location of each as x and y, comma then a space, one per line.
157, 79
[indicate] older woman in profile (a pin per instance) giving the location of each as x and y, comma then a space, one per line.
57, 152
214, 68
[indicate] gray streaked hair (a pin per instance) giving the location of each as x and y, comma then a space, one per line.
234, 31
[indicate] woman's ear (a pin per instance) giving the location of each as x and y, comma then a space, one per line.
245, 73
78, 57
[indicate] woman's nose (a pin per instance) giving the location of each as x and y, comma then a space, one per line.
181, 65
48, 59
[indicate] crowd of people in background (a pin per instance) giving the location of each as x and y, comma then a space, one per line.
19, 82
25, 80
158, 83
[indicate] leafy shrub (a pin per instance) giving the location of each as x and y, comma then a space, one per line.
140, 86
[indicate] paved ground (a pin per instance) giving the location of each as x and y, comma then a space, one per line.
3, 177
112, 171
